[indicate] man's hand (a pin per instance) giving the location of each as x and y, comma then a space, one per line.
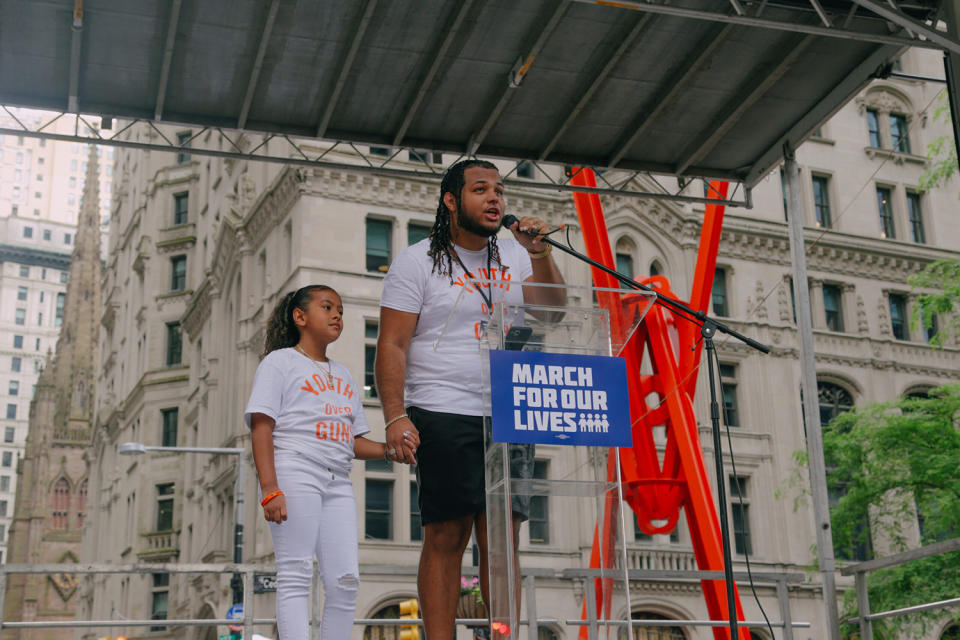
396, 331
531, 244
402, 441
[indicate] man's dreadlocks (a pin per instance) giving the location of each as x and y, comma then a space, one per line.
441, 242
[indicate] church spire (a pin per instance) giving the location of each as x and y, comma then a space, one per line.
74, 373
52, 476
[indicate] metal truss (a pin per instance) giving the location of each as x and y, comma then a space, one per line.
913, 32
343, 155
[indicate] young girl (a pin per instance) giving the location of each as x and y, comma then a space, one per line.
307, 425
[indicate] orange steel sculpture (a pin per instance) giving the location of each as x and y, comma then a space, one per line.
656, 492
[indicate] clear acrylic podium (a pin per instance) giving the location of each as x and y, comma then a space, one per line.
573, 480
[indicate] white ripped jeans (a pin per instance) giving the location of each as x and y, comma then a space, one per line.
322, 521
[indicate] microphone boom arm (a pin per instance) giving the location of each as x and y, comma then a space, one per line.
671, 303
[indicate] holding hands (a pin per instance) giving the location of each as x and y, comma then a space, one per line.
402, 440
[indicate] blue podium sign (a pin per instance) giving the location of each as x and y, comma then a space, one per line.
559, 398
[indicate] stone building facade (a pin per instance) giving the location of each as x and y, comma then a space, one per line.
202, 248
52, 487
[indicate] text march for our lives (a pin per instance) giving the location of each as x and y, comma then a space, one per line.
558, 398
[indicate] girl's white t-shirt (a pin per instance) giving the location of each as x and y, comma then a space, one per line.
448, 379
311, 416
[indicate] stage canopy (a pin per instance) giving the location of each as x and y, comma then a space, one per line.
692, 88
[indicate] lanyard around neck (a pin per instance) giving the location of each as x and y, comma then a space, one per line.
486, 298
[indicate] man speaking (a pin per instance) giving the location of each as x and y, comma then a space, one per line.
438, 392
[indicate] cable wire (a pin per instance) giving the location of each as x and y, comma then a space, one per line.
750, 314
694, 370
825, 230
733, 464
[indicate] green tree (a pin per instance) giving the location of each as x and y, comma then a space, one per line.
943, 278
895, 464
942, 275
942, 152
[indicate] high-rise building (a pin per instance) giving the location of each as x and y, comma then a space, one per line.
201, 249
43, 179
32, 293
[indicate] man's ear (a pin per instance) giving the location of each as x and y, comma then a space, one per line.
450, 202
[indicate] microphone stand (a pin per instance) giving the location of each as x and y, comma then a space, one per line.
708, 328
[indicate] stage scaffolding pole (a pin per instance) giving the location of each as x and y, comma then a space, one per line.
811, 410
951, 64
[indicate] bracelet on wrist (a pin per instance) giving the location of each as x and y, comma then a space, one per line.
541, 254
392, 420
270, 496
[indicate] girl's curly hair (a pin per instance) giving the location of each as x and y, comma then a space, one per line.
282, 331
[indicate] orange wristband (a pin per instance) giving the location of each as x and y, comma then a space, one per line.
270, 496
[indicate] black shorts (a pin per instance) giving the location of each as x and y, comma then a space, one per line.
450, 467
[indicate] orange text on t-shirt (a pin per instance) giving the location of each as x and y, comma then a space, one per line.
336, 431
338, 386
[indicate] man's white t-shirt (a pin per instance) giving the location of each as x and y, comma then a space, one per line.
312, 417
448, 379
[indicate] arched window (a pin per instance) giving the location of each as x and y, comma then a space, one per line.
888, 112
624, 257
547, 633
646, 632
80, 396
209, 633
391, 632
656, 268
833, 400
59, 504
81, 504
919, 393
951, 633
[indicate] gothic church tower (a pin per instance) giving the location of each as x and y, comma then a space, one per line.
52, 485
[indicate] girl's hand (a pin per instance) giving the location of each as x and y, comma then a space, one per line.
276, 510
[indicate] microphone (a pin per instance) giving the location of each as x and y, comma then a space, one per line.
508, 221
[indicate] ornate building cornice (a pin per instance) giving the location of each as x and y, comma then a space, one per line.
365, 188
664, 586
176, 244
891, 263
767, 242
34, 257
228, 244
171, 176
654, 217
849, 350
273, 204
237, 236
198, 308
828, 252
419, 195
885, 98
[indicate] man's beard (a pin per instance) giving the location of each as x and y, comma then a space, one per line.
466, 223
